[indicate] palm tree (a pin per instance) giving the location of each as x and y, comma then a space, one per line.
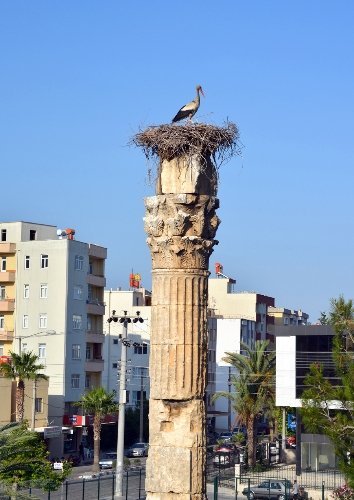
22, 367
254, 387
99, 403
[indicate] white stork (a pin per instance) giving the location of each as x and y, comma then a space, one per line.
190, 109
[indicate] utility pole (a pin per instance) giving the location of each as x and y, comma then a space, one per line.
125, 320
141, 426
34, 394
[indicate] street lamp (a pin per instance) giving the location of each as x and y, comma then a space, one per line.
125, 320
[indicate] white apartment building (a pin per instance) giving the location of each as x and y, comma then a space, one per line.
230, 333
137, 376
58, 314
253, 306
297, 347
131, 301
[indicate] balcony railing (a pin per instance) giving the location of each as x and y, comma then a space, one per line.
6, 247
7, 305
95, 337
94, 365
7, 276
6, 335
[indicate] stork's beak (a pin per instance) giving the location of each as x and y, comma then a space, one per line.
201, 91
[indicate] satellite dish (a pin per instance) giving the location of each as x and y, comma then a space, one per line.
60, 232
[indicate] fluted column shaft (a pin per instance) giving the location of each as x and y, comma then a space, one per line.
181, 224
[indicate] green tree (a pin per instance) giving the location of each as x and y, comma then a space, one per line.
22, 367
97, 402
329, 409
323, 319
254, 388
24, 460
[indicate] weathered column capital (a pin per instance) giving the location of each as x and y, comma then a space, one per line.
180, 230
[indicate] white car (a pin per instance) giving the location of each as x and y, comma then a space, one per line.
108, 461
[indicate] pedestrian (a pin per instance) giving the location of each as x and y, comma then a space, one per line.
295, 491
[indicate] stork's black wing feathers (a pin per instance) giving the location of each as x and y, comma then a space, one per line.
182, 113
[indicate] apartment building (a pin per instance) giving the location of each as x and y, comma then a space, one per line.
53, 288
252, 306
287, 317
131, 301
297, 347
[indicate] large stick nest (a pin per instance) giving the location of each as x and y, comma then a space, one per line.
165, 142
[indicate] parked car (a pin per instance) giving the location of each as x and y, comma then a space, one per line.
138, 450
291, 442
108, 460
225, 455
270, 489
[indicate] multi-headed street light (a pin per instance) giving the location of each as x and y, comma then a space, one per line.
125, 320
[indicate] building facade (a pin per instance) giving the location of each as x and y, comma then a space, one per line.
55, 288
297, 347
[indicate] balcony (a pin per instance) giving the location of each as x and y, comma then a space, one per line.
7, 276
96, 251
7, 248
95, 307
94, 365
7, 305
95, 338
6, 335
93, 279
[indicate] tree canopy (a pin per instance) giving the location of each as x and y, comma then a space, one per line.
97, 402
254, 387
22, 367
24, 460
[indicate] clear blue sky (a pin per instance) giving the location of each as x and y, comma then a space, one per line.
78, 79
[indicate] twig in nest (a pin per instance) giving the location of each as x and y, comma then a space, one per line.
165, 142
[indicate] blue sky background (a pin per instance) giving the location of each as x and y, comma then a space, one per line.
78, 80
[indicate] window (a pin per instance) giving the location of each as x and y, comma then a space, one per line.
77, 322
44, 260
115, 341
78, 293
43, 291
25, 321
1, 349
88, 352
24, 347
140, 349
87, 381
26, 291
3, 264
42, 351
79, 262
114, 365
27, 261
3, 234
33, 233
75, 381
89, 323
75, 351
38, 405
2, 292
42, 321
286, 321
2, 322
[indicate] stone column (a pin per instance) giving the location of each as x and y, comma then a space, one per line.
181, 223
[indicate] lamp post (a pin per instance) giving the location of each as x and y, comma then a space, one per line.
125, 320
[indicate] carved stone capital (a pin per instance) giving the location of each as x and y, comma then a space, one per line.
180, 229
